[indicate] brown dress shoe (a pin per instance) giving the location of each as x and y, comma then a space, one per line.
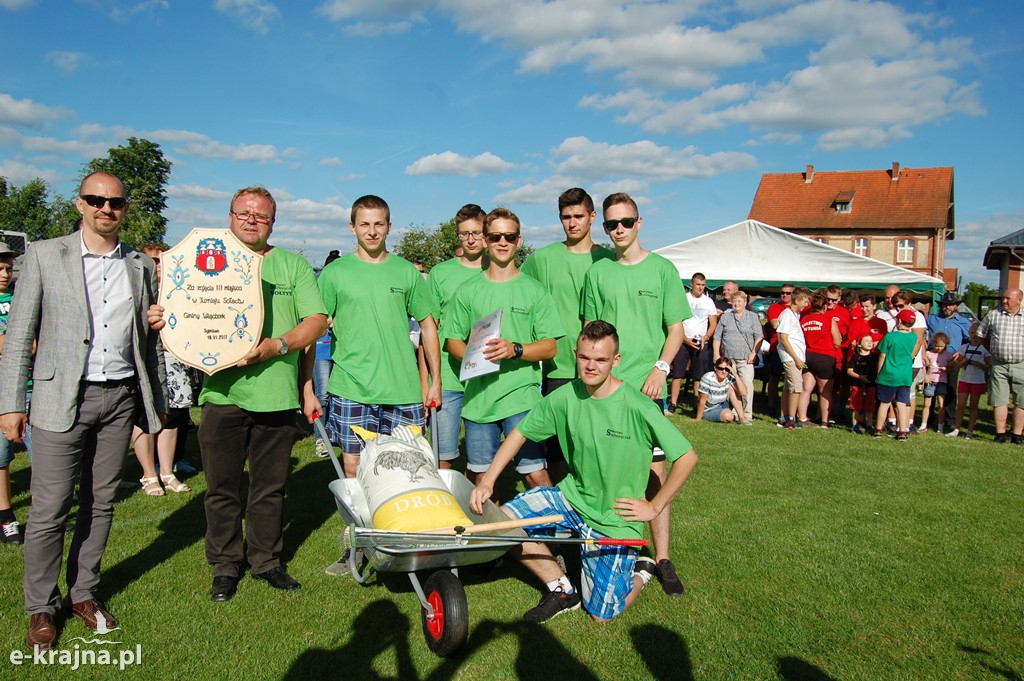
91, 611
41, 631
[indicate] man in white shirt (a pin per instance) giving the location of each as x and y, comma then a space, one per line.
695, 350
792, 353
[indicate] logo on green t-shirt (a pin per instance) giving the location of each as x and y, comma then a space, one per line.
617, 434
398, 289
646, 294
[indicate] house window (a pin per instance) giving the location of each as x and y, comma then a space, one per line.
843, 202
905, 251
842, 206
860, 246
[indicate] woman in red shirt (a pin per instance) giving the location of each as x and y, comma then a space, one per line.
821, 333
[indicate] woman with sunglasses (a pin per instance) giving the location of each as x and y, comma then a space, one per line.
821, 333
720, 394
738, 337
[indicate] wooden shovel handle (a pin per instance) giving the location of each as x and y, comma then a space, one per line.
500, 525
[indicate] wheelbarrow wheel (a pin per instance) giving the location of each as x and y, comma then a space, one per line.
446, 632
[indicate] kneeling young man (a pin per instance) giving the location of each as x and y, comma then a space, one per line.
607, 430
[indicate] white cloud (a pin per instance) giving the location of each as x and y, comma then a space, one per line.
254, 14
644, 159
126, 13
209, 148
343, 10
18, 172
68, 62
16, 4
50, 145
450, 163
307, 210
196, 192
967, 251
374, 29
28, 114
332, 161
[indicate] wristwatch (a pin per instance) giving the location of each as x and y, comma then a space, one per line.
517, 350
662, 365
284, 346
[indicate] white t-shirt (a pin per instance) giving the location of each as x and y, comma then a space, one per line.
976, 353
703, 308
789, 324
920, 323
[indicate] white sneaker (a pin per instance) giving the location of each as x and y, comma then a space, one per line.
953, 433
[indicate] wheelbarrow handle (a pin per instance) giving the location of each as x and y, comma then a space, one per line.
500, 525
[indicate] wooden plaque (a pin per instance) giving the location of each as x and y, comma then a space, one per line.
212, 296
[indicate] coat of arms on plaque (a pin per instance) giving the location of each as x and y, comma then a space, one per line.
212, 295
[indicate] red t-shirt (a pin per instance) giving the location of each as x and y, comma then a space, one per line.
817, 328
876, 327
773, 313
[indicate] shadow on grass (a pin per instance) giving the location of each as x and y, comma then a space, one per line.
664, 652
307, 506
381, 627
996, 666
795, 669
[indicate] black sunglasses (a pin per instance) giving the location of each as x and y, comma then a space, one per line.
785, 293
495, 237
116, 202
612, 225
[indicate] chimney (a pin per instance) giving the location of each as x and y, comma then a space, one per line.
895, 171
809, 175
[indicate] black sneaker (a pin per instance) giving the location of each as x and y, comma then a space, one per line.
645, 566
552, 604
12, 533
902, 437
877, 433
1000, 438
670, 583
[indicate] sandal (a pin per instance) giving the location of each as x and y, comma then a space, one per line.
172, 483
151, 486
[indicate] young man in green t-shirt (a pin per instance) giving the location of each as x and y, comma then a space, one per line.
445, 280
562, 267
371, 294
495, 402
896, 353
642, 295
607, 429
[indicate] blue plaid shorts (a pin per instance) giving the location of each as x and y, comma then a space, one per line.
376, 418
607, 570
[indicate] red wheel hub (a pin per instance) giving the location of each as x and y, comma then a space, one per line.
436, 623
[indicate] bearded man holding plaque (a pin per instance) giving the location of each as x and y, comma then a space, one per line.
249, 409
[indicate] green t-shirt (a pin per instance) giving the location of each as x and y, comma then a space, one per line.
529, 315
289, 295
374, 360
641, 301
608, 447
445, 280
898, 370
562, 274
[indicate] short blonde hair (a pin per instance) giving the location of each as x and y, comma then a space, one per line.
739, 294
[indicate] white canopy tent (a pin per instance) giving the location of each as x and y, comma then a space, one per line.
756, 255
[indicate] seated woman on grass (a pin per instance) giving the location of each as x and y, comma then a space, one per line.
721, 395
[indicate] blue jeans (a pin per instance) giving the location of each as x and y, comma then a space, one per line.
7, 447
483, 439
448, 422
321, 374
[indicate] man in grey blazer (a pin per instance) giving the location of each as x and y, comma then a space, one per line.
82, 299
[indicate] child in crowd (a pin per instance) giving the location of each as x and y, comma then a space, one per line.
936, 362
974, 361
718, 390
896, 373
792, 352
862, 369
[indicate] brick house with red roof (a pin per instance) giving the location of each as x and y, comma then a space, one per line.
901, 216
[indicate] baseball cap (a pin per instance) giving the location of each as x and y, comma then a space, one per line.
907, 316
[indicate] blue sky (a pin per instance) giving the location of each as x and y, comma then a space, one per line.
431, 105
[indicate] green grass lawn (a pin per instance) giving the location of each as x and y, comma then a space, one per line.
812, 554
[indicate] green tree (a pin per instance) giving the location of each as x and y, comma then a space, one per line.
144, 170
25, 208
974, 292
436, 244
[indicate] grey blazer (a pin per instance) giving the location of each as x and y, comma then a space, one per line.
49, 306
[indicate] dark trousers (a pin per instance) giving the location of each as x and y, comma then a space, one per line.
228, 438
96, 445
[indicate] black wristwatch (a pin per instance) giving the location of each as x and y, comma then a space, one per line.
517, 350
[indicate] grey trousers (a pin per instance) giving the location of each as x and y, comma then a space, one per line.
95, 449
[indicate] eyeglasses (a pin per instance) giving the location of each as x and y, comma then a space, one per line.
495, 237
785, 293
466, 236
246, 215
116, 202
627, 223
833, 300
721, 368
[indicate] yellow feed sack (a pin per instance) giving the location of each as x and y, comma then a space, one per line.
403, 489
